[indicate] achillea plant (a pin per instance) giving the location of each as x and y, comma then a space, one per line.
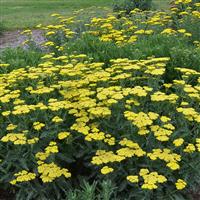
69, 117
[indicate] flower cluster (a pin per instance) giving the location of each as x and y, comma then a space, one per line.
23, 176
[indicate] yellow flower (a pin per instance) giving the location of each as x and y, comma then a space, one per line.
49, 172
41, 156
50, 33
57, 119
198, 144
165, 119
4, 65
149, 186
141, 31
52, 148
16, 138
173, 165
143, 172
11, 127
151, 179
49, 43
141, 119
33, 140
28, 32
183, 13
6, 113
178, 142
168, 31
38, 126
188, 34
133, 179
190, 148
23, 176
63, 135
106, 170
180, 184
181, 30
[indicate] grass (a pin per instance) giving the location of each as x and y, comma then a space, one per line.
20, 14
1, 28
161, 4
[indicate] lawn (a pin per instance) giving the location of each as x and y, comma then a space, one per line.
19, 14
162, 4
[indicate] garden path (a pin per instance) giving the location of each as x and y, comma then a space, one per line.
14, 39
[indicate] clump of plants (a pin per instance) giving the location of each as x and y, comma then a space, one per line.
72, 118
75, 125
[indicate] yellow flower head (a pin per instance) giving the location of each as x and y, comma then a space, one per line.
106, 170
180, 184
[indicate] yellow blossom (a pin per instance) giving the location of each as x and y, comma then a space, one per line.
63, 135
180, 184
178, 142
106, 170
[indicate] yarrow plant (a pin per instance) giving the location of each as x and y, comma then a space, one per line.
123, 114
71, 118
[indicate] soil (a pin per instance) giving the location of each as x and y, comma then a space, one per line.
14, 39
195, 194
5, 195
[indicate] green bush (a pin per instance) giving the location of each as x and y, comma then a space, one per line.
128, 5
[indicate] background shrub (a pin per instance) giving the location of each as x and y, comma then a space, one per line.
128, 5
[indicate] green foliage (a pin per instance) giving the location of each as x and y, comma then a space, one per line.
128, 5
181, 52
98, 190
19, 57
192, 25
2, 28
